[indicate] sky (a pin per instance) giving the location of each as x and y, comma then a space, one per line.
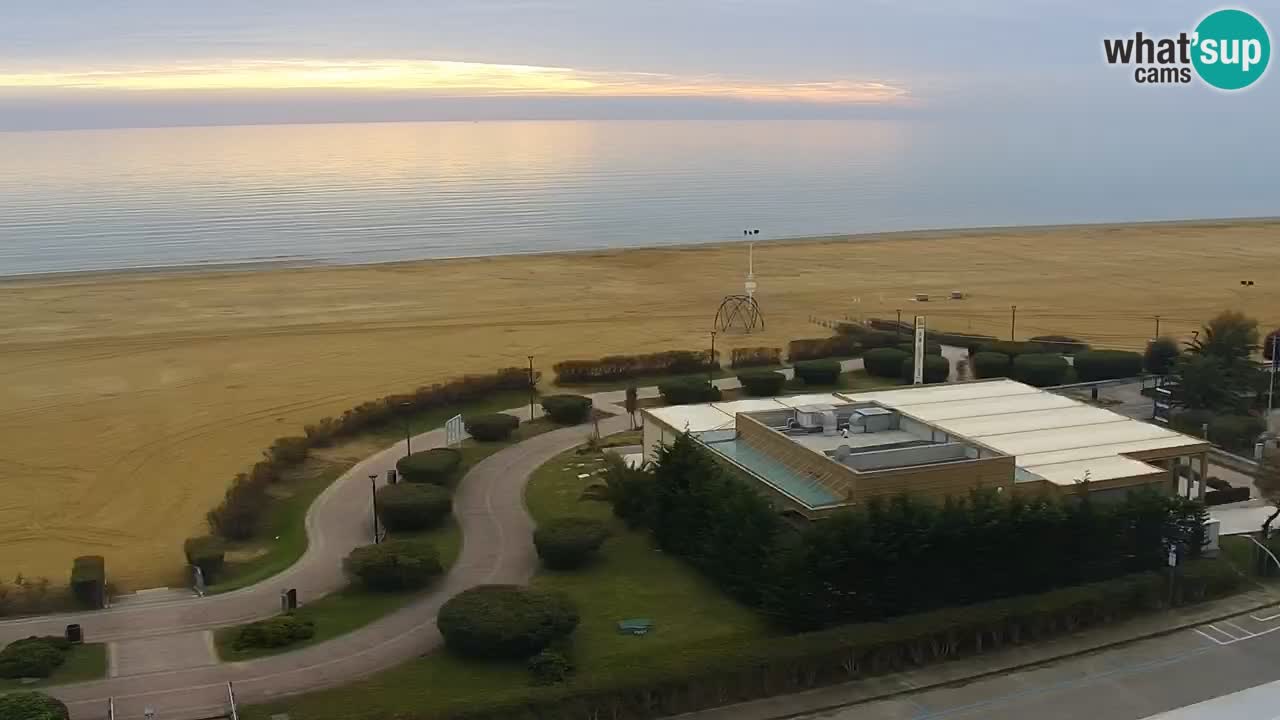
140, 63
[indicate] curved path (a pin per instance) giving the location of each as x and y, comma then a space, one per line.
189, 683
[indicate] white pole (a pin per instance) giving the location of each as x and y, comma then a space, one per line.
1275, 364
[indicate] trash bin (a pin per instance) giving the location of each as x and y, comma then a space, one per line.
391, 476
74, 633
289, 600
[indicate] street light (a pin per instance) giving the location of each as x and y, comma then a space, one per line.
712, 362
408, 445
373, 491
532, 386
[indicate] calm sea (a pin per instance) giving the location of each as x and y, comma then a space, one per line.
111, 199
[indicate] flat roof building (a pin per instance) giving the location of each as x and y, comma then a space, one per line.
821, 452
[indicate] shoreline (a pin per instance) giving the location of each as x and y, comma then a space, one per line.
214, 268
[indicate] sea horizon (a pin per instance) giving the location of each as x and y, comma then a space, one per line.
226, 197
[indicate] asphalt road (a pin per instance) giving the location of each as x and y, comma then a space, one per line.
1208, 664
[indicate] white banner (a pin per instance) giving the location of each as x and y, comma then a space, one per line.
453, 431
919, 354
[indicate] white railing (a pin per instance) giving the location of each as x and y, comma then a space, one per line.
232, 711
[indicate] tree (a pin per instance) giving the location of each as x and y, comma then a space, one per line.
632, 404
1268, 483
1161, 355
1229, 336
1218, 371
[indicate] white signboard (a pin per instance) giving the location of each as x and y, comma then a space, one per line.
453, 431
919, 354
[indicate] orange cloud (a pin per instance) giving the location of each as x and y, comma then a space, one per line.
445, 77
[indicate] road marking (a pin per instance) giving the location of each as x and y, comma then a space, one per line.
1235, 626
1266, 618
1247, 634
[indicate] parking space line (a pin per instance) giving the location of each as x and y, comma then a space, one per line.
1210, 637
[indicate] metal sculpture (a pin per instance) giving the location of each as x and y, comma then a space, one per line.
741, 313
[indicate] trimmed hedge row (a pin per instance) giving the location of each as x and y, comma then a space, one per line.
762, 383
33, 657
687, 391
28, 705
505, 621
936, 369
885, 362
991, 365
1012, 349
206, 552
567, 409
89, 580
955, 339
755, 357
408, 507
491, 427
1093, 365
438, 466
239, 514
821, 348
818, 372
1061, 344
274, 632
727, 671
1234, 432
1229, 495
394, 565
1040, 369
568, 543
622, 367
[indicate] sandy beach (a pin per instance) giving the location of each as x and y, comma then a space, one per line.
130, 400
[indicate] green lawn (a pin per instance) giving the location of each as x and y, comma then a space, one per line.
283, 538
353, 607
630, 579
84, 663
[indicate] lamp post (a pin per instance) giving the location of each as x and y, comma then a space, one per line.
532, 386
711, 364
1013, 322
1275, 366
408, 444
373, 492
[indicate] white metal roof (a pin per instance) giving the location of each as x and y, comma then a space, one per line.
1069, 473
811, 399
694, 418
749, 405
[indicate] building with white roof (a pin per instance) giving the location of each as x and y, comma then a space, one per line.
820, 452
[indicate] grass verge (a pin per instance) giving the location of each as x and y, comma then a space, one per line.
283, 538
630, 579
84, 663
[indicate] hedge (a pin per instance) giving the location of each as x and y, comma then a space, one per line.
1234, 432
991, 365
394, 565
89, 580
567, 409
438, 466
623, 367
688, 390
885, 362
1093, 365
762, 383
1040, 369
905, 329
725, 671
239, 514
936, 369
1230, 495
549, 667
408, 507
930, 348
1161, 354
1061, 344
1012, 349
278, 631
206, 552
818, 372
821, 348
505, 621
569, 543
491, 427
33, 657
755, 357
27, 705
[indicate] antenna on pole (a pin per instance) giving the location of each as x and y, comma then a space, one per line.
750, 285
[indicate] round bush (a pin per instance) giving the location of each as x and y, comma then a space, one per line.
207, 553
762, 383
505, 621
567, 543
1012, 349
930, 348
885, 362
688, 390
1107, 364
549, 667
33, 657
872, 339
1040, 369
936, 369
567, 409
275, 632
1236, 432
991, 365
32, 706
438, 466
407, 507
818, 372
394, 565
1161, 355
492, 427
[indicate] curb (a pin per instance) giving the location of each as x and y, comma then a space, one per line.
1016, 667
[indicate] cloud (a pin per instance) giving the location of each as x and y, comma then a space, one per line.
447, 77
